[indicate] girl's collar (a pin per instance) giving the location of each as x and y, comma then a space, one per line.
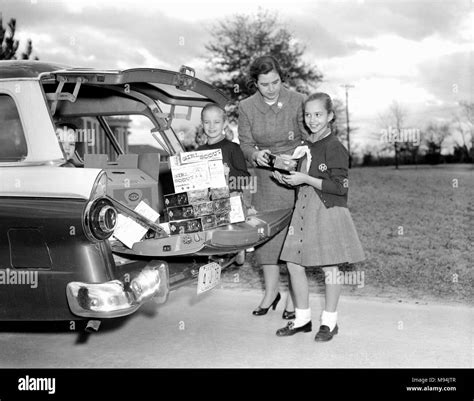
323, 137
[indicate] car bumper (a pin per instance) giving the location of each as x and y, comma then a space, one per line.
119, 297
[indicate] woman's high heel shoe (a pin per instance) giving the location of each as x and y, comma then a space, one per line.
263, 311
287, 315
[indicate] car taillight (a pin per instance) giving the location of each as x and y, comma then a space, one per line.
100, 219
100, 216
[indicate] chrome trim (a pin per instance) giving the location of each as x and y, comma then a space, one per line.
96, 184
86, 221
156, 288
103, 220
137, 217
53, 163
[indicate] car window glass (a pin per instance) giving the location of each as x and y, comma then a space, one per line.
184, 128
134, 134
12, 138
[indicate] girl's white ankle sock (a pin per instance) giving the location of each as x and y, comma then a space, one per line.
302, 316
329, 319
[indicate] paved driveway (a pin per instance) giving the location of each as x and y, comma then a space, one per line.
217, 329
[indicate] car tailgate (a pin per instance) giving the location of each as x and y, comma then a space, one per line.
256, 230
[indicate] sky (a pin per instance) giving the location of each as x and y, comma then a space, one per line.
417, 52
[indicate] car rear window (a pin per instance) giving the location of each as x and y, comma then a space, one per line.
12, 138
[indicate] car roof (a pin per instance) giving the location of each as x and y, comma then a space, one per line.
27, 68
170, 86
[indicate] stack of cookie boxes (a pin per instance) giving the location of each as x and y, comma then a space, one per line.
203, 209
197, 205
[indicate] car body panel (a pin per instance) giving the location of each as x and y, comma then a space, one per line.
45, 209
60, 240
48, 182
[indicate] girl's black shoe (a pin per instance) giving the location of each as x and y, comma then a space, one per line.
263, 311
288, 330
324, 334
287, 315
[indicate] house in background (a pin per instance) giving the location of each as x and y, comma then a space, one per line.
119, 125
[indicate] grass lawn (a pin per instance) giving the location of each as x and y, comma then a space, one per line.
417, 228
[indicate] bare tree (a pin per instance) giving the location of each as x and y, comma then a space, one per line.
393, 122
239, 39
464, 123
434, 136
9, 45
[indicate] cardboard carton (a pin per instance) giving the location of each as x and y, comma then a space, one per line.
187, 198
131, 179
219, 193
185, 226
282, 164
190, 211
221, 206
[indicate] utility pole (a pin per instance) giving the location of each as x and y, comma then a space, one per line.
347, 87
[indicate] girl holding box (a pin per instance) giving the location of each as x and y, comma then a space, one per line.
321, 232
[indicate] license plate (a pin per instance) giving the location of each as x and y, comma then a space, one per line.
209, 277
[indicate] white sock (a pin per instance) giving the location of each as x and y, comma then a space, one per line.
302, 316
329, 319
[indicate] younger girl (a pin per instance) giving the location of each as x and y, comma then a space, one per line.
321, 232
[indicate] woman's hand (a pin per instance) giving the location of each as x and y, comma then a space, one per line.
261, 157
295, 178
279, 177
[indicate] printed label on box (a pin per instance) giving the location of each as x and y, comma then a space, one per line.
222, 219
128, 231
236, 213
220, 193
186, 198
180, 212
222, 205
203, 209
208, 222
185, 226
217, 174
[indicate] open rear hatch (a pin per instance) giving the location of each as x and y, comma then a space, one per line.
147, 86
143, 91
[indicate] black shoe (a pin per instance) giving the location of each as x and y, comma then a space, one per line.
287, 315
263, 311
324, 334
288, 330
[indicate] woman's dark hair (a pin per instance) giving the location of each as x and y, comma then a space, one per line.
263, 65
327, 102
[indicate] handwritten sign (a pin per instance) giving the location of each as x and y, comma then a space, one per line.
197, 170
200, 156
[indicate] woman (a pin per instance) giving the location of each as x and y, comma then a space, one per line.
270, 121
